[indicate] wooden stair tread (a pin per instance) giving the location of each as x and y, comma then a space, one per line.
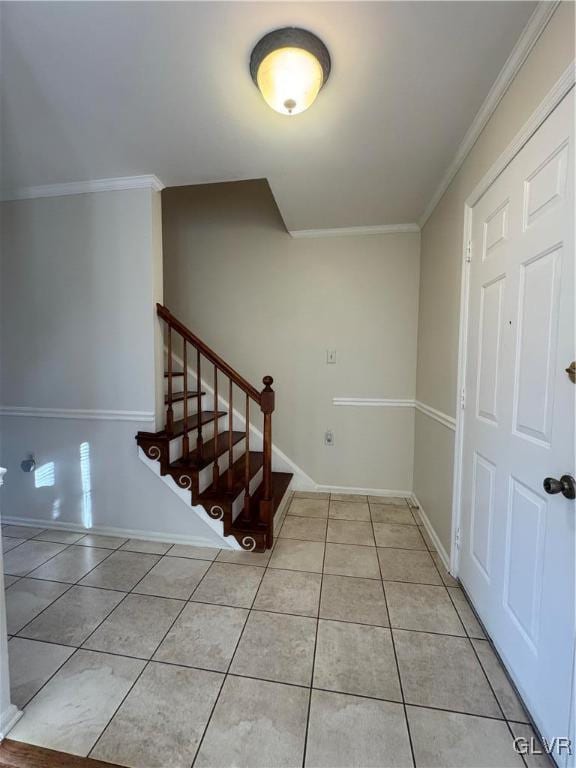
203, 417
194, 462
280, 483
221, 490
174, 373
178, 397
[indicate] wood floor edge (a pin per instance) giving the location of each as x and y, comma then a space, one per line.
16, 754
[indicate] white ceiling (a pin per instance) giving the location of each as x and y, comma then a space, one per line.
104, 89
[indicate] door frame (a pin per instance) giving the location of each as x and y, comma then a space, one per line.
559, 91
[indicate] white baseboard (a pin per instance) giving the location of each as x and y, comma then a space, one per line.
359, 491
8, 720
444, 556
106, 530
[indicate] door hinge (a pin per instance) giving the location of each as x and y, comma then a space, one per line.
457, 538
469, 251
463, 398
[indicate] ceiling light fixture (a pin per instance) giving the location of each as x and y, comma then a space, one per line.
290, 66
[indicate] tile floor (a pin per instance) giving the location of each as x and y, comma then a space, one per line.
348, 645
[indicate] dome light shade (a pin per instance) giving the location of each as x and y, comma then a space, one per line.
290, 66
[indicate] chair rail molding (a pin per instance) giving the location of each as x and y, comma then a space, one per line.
72, 413
115, 184
532, 31
374, 402
433, 413
383, 402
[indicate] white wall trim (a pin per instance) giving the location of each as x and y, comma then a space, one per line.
71, 413
377, 229
548, 104
382, 402
107, 530
552, 99
384, 492
442, 418
373, 402
148, 181
431, 532
520, 52
8, 720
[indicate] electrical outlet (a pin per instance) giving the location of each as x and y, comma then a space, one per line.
331, 356
329, 437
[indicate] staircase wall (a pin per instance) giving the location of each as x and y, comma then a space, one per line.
81, 364
271, 304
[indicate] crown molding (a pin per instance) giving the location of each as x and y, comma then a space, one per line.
116, 184
520, 52
377, 229
559, 90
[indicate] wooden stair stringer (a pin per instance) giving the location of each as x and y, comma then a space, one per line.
215, 506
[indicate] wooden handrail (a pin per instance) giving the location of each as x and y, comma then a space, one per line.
264, 399
209, 354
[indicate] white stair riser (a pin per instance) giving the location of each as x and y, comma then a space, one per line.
238, 504
207, 434
205, 476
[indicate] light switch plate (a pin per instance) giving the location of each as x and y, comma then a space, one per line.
331, 356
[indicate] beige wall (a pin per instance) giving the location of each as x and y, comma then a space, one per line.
441, 262
80, 274
268, 303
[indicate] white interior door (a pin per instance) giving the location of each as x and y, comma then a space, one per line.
517, 541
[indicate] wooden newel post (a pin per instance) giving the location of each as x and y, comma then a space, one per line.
267, 408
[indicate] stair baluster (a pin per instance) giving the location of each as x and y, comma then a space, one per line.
246, 511
199, 441
230, 473
185, 441
215, 468
267, 407
169, 410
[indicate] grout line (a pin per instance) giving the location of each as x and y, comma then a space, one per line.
306, 731
23, 575
45, 683
396, 661
77, 648
251, 609
147, 661
227, 672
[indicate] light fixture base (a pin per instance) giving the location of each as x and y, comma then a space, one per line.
290, 37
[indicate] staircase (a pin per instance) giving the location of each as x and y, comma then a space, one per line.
209, 452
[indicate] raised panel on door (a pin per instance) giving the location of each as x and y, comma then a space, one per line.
490, 334
537, 338
525, 531
482, 513
545, 186
495, 230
